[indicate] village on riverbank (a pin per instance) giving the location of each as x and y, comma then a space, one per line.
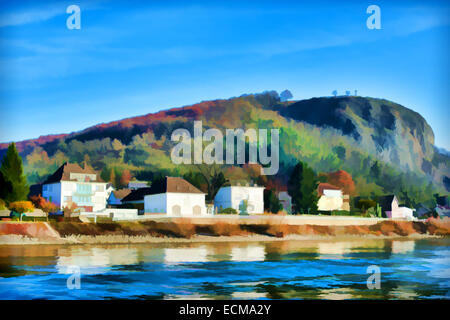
77, 194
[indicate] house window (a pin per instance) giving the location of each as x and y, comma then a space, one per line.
176, 210
197, 210
84, 188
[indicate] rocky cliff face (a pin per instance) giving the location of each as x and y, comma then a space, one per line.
380, 127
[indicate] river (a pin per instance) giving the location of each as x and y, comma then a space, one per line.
409, 269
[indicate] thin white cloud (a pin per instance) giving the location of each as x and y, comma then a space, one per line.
40, 14
30, 16
419, 19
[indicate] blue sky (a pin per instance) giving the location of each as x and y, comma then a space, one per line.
131, 60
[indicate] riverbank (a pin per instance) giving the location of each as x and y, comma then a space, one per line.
184, 230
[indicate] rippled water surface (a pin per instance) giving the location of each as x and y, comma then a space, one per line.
410, 269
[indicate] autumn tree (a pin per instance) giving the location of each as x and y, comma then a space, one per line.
125, 178
14, 185
21, 207
343, 180
43, 204
112, 178
302, 187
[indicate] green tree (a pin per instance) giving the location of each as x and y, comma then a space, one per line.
302, 187
243, 208
14, 185
271, 202
213, 177
375, 171
5, 187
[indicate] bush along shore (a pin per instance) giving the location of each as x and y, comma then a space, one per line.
184, 230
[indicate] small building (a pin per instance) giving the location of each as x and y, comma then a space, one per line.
235, 197
175, 197
72, 184
116, 196
391, 209
442, 206
423, 210
332, 198
133, 185
443, 211
286, 201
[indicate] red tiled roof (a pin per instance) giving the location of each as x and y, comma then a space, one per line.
63, 173
326, 186
177, 184
168, 184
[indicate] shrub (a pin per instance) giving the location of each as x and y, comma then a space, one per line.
365, 204
69, 210
2, 205
341, 213
228, 211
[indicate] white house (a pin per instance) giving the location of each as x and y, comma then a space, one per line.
174, 196
234, 197
391, 209
74, 184
332, 198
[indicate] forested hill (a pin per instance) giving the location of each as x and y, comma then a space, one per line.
386, 147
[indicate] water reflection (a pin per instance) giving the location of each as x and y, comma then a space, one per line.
230, 270
402, 246
336, 294
174, 255
248, 253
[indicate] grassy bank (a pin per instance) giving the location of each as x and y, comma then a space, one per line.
182, 230
185, 229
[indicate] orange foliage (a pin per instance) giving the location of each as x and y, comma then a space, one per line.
343, 180
21, 206
41, 203
125, 177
